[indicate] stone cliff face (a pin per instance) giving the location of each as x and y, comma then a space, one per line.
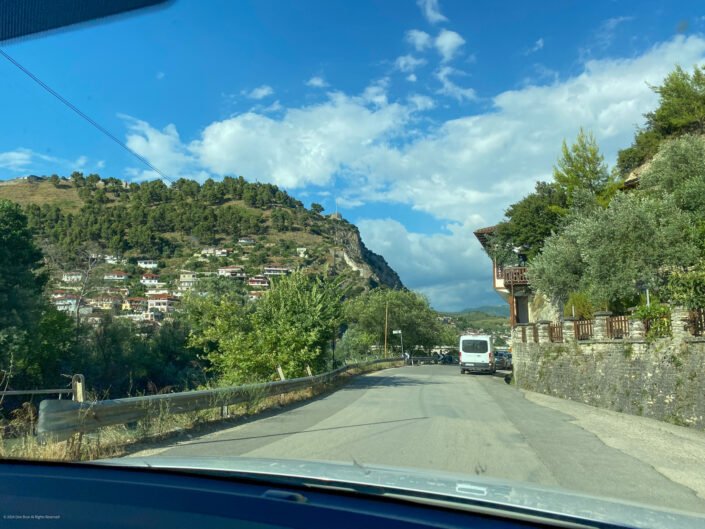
361, 259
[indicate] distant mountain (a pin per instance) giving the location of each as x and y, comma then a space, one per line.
494, 310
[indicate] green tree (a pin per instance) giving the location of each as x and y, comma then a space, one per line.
317, 208
78, 179
36, 341
407, 311
21, 281
681, 103
679, 170
681, 110
529, 222
292, 326
581, 166
614, 253
355, 345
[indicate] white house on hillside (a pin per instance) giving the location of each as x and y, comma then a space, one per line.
236, 272
148, 264
273, 270
161, 303
258, 281
151, 280
72, 277
116, 276
114, 259
187, 280
215, 252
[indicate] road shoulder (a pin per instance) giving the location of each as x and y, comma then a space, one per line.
677, 452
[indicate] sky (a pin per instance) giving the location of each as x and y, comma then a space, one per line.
419, 120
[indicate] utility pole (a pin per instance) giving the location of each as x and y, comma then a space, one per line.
386, 322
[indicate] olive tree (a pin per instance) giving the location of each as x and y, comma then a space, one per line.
612, 254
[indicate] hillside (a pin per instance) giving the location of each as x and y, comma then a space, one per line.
494, 310
478, 321
189, 226
32, 190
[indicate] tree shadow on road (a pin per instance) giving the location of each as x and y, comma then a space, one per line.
297, 432
371, 381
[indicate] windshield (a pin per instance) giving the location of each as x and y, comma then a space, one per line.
273, 229
474, 346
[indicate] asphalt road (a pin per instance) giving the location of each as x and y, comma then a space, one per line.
433, 417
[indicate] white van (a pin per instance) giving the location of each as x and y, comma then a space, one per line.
476, 354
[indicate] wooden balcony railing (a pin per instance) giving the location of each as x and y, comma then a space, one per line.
515, 275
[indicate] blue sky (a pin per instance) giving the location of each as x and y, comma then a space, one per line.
423, 119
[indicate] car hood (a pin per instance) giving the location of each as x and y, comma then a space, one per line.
514, 499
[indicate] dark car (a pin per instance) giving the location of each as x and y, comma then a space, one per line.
501, 359
446, 358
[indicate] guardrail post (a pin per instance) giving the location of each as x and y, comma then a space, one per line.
281, 373
78, 385
308, 370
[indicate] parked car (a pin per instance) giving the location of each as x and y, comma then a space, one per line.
446, 358
501, 359
509, 358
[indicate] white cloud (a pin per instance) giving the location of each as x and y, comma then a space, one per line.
448, 43
260, 92
420, 40
465, 170
408, 63
100, 164
268, 109
317, 82
80, 162
431, 10
411, 78
376, 93
22, 160
162, 148
421, 102
449, 88
18, 160
603, 37
305, 146
437, 265
538, 45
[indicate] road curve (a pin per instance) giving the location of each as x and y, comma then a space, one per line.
432, 417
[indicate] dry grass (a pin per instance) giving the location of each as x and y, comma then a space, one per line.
23, 192
120, 440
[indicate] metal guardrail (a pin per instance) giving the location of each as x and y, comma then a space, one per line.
77, 390
59, 419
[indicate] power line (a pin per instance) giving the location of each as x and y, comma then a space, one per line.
83, 115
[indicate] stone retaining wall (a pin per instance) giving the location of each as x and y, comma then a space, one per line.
663, 379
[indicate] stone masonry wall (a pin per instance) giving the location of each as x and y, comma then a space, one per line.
663, 379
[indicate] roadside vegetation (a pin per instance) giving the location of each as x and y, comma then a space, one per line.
595, 240
308, 319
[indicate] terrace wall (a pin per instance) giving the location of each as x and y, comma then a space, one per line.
662, 378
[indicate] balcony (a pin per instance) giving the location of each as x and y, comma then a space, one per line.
515, 276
